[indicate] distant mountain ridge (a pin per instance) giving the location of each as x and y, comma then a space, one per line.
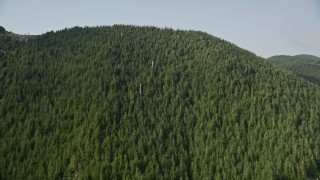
6, 36
305, 66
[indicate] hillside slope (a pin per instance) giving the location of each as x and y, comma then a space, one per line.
142, 102
305, 66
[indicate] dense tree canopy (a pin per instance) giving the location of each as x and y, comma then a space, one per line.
2, 29
142, 102
305, 66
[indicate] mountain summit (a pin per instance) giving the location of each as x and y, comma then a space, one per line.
129, 102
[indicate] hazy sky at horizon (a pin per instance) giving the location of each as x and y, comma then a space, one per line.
266, 28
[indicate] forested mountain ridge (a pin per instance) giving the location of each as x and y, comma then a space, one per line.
2, 30
143, 102
305, 66
7, 37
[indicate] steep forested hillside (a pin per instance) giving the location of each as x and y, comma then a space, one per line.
305, 66
142, 102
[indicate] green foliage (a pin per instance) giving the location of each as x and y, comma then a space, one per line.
2, 30
304, 66
127, 102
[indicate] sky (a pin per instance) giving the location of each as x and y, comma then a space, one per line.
266, 28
